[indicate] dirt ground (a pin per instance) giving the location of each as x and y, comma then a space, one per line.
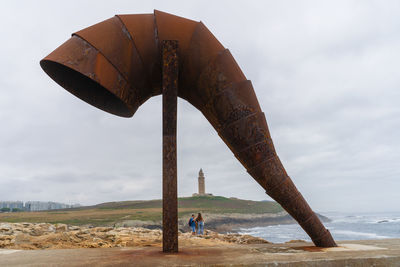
349, 253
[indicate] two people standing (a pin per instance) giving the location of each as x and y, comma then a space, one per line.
197, 223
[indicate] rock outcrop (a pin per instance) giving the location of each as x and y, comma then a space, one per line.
224, 223
49, 236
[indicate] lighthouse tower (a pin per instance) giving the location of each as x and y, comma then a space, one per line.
202, 185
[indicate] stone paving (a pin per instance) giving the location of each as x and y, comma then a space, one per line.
349, 253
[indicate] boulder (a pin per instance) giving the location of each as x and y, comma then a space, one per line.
61, 227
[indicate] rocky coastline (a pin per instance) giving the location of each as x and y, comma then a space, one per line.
61, 236
220, 229
225, 223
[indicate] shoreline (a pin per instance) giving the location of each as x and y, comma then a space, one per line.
219, 229
225, 223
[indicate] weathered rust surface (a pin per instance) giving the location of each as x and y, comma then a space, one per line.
142, 29
378, 253
120, 75
170, 95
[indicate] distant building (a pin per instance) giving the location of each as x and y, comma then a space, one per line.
40, 205
34, 205
202, 185
12, 205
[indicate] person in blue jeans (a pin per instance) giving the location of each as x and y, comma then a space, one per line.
192, 224
200, 224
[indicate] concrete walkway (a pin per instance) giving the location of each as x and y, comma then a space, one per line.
350, 253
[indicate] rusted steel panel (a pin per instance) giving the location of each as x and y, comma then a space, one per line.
220, 73
257, 153
233, 103
171, 27
203, 48
269, 173
143, 30
170, 195
245, 132
112, 40
114, 76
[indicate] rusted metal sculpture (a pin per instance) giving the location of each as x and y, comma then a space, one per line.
115, 65
170, 71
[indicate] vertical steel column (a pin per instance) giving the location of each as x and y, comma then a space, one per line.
170, 195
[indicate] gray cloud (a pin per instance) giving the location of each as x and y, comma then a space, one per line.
325, 73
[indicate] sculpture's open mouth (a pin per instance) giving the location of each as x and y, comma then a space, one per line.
85, 88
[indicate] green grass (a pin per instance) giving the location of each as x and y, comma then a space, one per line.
106, 214
213, 204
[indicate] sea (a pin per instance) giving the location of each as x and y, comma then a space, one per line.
343, 226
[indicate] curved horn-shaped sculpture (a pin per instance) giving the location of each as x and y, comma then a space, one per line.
115, 65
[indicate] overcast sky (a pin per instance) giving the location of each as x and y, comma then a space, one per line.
326, 76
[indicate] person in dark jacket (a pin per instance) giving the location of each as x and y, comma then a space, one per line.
192, 224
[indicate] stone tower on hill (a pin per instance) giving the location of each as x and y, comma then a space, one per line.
202, 185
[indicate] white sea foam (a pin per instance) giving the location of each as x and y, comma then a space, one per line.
358, 234
342, 227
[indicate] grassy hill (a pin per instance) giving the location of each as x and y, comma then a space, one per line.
146, 210
211, 204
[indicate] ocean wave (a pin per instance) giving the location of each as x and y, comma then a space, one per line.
357, 234
388, 220
367, 219
342, 227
